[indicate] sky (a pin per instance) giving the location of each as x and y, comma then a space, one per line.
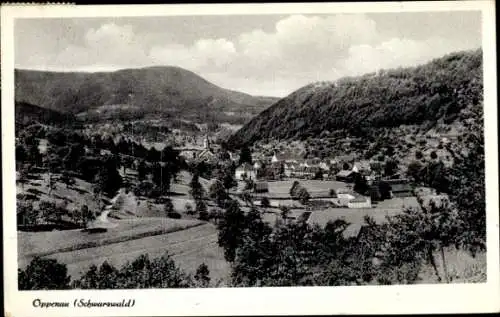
270, 55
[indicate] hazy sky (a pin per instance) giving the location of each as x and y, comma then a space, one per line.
259, 54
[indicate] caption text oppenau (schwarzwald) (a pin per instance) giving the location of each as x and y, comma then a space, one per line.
85, 303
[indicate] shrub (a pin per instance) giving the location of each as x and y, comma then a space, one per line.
43, 274
174, 215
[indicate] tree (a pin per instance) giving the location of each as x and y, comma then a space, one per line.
294, 189
415, 169
43, 274
74, 156
265, 203
162, 177
245, 155
202, 276
434, 155
390, 168
169, 206
285, 211
142, 170
67, 179
218, 193
249, 184
419, 155
389, 150
303, 196
21, 153
86, 215
360, 184
196, 189
385, 190
23, 176
189, 209
201, 209
226, 176
52, 183
231, 230
436, 175
108, 179
432, 228
467, 187
247, 198
26, 214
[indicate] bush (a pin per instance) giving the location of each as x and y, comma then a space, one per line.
174, 215
43, 274
203, 215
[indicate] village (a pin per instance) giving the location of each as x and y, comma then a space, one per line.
287, 186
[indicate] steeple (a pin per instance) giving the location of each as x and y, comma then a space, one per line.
206, 143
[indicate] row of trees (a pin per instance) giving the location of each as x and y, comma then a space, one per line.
143, 272
294, 253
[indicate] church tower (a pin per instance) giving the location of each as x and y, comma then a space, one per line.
206, 143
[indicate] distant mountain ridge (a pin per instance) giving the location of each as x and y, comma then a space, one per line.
157, 89
437, 91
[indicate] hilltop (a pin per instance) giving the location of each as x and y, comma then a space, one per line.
443, 91
168, 91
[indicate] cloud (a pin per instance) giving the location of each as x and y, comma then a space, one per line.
300, 49
108, 47
395, 53
204, 54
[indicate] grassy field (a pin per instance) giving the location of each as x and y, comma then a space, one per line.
389, 207
462, 267
45, 243
313, 186
189, 248
74, 196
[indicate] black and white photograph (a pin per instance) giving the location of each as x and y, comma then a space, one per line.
250, 149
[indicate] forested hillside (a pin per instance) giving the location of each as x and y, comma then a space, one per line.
435, 92
152, 90
26, 114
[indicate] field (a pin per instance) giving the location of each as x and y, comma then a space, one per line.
317, 188
139, 226
190, 247
74, 196
50, 242
313, 186
462, 267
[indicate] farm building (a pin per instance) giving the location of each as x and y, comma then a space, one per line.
206, 156
362, 167
345, 176
360, 202
257, 165
261, 187
401, 190
245, 171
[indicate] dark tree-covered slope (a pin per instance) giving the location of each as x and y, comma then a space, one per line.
170, 90
436, 91
26, 113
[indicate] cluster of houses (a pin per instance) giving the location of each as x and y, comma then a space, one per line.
290, 166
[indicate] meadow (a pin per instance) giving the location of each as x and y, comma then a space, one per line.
189, 248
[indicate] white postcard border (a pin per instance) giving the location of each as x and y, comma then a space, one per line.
454, 298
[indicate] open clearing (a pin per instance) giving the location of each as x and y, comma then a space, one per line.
31, 244
189, 248
316, 188
462, 267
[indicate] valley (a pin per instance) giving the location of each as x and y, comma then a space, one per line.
331, 185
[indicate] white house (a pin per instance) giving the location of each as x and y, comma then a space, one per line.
245, 171
257, 165
360, 202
